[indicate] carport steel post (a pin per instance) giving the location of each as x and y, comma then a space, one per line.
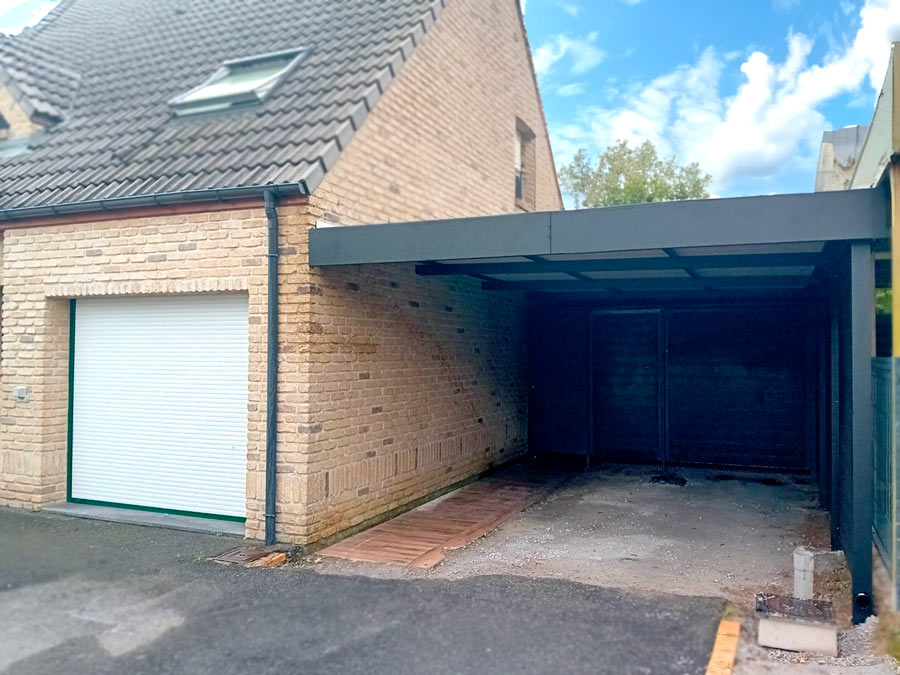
859, 546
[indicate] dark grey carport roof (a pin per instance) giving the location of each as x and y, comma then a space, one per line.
128, 58
771, 242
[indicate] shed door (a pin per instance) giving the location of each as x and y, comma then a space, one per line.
736, 387
626, 385
159, 417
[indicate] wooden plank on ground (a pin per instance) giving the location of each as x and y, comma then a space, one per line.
420, 537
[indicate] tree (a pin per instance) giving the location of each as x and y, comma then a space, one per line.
626, 175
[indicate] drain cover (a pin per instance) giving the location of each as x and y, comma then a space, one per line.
240, 555
783, 607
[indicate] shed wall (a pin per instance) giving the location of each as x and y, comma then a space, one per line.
701, 385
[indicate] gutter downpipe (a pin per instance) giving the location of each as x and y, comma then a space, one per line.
271, 368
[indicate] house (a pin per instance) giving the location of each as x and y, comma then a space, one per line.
165, 343
253, 269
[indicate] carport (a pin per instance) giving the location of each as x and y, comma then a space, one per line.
731, 332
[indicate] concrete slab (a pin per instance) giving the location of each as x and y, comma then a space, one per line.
726, 534
149, 519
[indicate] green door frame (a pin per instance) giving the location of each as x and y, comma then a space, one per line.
69, 448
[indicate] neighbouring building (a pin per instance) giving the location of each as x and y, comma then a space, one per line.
139, 144
838, 155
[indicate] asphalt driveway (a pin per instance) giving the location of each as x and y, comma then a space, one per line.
92, 597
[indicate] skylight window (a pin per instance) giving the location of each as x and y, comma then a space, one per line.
238, 82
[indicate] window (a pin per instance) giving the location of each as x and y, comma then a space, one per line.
238, 82
525, 193
520, 174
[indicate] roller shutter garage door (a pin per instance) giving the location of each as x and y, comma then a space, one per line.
159, 403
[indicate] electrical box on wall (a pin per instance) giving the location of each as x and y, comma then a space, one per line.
20, 394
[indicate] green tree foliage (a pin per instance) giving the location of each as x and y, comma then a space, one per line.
883, 300
626, 175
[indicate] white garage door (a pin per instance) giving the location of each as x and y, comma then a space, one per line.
159, 415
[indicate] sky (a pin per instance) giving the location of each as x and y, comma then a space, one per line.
18, 14
743, 88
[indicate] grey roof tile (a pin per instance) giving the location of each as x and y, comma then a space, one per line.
37, 78
107, 68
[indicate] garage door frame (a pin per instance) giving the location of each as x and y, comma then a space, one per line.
70, 448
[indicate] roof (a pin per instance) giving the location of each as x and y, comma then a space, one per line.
744, 244
44, 87
125, 59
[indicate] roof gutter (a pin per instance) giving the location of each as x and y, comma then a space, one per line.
160, 199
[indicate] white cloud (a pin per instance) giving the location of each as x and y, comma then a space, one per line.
583, 54
770, 122
11, 25
632, 2
571, 89
569, 8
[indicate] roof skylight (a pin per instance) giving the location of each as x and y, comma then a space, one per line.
238, 82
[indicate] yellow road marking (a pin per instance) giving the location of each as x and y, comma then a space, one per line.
725, 649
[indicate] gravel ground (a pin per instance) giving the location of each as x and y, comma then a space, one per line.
856, 657
613, 527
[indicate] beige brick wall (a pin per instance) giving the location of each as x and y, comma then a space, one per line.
43, 267
413, 383
410, 385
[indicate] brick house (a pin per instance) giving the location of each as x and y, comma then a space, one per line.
140, 144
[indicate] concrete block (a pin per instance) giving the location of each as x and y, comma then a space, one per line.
804, 569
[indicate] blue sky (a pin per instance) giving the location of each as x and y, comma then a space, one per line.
744, 88
17, 14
